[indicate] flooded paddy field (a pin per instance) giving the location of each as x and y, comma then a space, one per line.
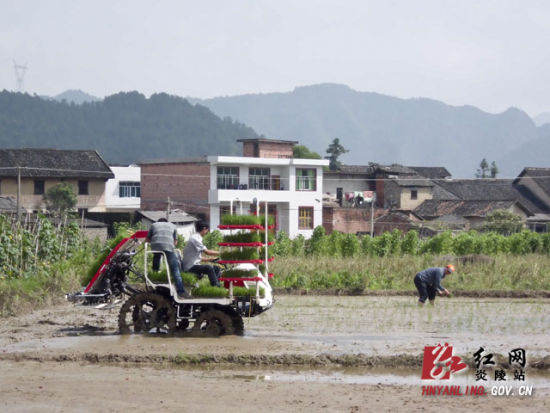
319, 352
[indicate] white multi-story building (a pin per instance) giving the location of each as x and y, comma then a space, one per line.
123, 192
292, 188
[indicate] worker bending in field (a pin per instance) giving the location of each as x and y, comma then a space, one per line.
428, 283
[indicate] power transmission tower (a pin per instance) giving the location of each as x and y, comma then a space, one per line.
19, 75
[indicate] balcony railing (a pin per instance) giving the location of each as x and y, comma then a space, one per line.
254, 182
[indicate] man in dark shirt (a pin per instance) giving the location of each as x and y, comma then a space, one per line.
428, 283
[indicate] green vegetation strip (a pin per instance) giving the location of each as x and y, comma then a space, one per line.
481, 273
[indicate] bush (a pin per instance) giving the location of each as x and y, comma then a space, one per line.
317, 244
283, 245
212, 239
350, 245
410, 243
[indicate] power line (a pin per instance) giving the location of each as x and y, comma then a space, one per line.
496, 181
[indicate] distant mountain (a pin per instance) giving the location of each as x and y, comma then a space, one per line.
123, 128
75, 96
542, 119
385, 129
533, 153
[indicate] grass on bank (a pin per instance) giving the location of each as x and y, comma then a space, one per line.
501, 272
47, 286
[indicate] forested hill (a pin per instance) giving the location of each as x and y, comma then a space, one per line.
123, 128
386, 129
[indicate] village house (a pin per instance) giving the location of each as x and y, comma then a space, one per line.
534, 186
210, 186
368, 198
27, 174
465, 203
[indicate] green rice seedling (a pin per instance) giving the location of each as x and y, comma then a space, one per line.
240, 255
241, 220
209, 291
247, 292
236, 273
160, 277
100, 259
189, 278
243, 237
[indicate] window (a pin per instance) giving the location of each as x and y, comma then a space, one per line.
414, 194
306, 180
39, 187
129, 189
305, 218
258, 178
82, 187
228, 177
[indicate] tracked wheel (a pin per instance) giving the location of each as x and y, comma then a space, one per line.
213, 323
237, 320
147, 313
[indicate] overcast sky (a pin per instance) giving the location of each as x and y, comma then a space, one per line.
492, 54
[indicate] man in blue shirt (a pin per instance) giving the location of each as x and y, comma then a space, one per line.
428, 283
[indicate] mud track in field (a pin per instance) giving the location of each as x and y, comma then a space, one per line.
299, 353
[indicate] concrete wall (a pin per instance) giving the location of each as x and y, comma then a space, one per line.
349, 183
349, 220
267, 149
423, 193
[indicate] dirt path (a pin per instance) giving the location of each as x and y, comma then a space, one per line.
71, 358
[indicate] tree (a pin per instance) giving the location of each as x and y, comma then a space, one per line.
494, 170
482, 171
302, 152
502, 221
335, 149
60, 199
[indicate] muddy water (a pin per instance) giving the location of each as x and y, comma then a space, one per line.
306, 325
292, 355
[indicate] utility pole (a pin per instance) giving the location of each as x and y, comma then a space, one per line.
19, 76
372, 218
18, 194
168, 209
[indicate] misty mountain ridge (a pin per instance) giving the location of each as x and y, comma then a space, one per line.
123, 128
384, 129
76, 96
127, 127
542, 119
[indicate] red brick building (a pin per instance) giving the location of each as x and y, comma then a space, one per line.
182, 182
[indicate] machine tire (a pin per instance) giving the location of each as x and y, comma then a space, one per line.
213, 323
148, 313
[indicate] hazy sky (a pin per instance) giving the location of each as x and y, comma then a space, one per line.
488, 53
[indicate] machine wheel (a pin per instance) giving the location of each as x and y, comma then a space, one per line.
237, 320
238, 325
148, 313
213, 323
